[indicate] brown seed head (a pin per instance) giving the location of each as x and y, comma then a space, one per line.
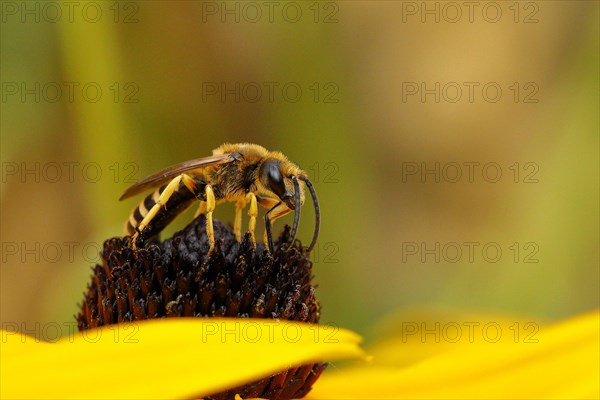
176, 278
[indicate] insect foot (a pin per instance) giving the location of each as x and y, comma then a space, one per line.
178, 278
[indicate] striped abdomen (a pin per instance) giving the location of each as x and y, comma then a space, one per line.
179, 201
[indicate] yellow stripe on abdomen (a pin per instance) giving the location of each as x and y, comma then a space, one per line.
138, 213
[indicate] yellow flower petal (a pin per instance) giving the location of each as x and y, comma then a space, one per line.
166, 358
413, 335
564, 363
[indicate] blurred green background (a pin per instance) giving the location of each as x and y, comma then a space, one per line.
97, 95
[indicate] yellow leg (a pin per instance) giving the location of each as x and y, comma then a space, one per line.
267, 202
237, 224
210, 207
161, 202
165, 196
252, 213
189, 183
201, 209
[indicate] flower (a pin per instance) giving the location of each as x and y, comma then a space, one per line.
178, 278
559, 361
125, 350
182, 358
171, 358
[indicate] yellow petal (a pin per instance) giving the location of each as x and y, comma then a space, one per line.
166, 358
564, 363
412, 335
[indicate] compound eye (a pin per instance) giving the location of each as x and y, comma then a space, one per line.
273, 178
276, 182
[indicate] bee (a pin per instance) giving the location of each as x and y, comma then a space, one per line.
243, 173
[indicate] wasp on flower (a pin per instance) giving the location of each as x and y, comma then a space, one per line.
242, 173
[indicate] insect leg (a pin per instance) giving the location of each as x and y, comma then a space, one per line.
201, 209
210, 207
252, 213
267, 202
162, 201
189, 183
278, 211
139, 212
237, 224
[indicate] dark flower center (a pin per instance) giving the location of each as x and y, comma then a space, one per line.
177, 278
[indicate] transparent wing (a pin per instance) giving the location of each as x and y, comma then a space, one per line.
171, 172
